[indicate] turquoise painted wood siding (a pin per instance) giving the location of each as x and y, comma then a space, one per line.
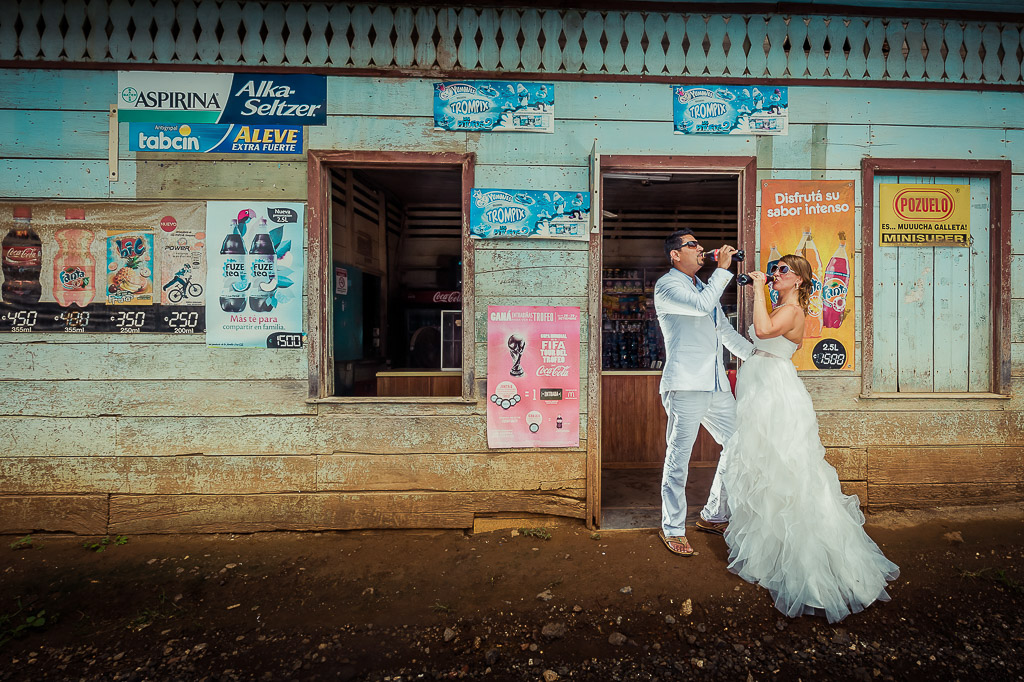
161, 416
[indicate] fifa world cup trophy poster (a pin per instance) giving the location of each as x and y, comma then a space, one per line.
815, 219
533, 377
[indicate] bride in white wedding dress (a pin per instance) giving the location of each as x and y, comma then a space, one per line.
791, 529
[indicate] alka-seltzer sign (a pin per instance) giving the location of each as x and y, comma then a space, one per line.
213, 138
533, 377
512, 213
253, 99
495, 105
924, 215
730, 110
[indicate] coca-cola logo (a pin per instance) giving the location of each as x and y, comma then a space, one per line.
17, 255
448, 297
553, 371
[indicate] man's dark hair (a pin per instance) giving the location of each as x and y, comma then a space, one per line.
675, 241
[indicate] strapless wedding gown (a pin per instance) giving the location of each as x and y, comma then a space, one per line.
791, 529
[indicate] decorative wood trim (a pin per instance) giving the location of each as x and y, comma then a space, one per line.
1000, 175
318, 276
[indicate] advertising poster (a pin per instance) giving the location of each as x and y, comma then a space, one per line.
924, 215
129, 267
254, 274
86, 267
730, 110
501, 106
536, 214
213, 138
533, 377
182, 264
815, 219
250, 98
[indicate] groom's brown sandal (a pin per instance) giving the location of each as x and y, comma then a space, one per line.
676, 544
709, 527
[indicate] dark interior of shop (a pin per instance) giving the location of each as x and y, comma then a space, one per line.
397, 304
639, 210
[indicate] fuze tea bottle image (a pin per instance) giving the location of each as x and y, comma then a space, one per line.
773, 259
74, 268
807, 249
837, 284
22, 258
262, 270
232, 293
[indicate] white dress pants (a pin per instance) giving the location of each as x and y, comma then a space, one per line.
687, 410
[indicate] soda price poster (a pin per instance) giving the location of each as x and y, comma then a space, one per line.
501, 106
924, 215
535, 214
255, 274
730, 110
213, 138
533, 377
815, 219
85, 267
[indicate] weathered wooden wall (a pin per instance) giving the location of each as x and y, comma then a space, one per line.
150, 433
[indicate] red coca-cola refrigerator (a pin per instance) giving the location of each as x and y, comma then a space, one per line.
433, 335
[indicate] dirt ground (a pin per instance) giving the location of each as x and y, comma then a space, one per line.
413, 605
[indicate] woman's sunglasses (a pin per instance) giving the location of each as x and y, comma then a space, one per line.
779, 269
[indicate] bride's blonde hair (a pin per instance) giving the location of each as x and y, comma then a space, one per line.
802, 268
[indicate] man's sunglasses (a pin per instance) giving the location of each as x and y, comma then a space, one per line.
779, 269
689, 245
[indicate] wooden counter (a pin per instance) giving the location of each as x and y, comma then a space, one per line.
633, 423
400, 383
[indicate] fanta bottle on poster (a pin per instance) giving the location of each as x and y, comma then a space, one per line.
773, 259
74, 268
836, 287
807, 249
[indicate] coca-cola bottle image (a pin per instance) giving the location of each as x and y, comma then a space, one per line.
837, 281
22, 257
812, 322
773, 259
74, 268
262, 270
235, 281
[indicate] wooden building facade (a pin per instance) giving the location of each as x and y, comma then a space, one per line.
107, 433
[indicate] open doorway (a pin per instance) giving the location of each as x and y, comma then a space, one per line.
640, 208
396, 289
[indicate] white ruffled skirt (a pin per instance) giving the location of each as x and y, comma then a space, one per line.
791, 529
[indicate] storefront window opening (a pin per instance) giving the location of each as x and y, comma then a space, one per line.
936, 314
641, 209
396, 244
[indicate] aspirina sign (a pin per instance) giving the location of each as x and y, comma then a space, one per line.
264, 99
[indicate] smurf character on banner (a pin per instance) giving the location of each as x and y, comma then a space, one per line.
494, 106
546, 214
730, 110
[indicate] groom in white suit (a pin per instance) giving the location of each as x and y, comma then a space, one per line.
694, 385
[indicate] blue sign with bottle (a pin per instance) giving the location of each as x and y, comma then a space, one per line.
494, 106
536, 214
730, 110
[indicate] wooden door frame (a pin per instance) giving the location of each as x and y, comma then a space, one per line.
318, 262
1000, 175
743, 166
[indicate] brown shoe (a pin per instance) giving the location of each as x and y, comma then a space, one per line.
676, 544
709, 527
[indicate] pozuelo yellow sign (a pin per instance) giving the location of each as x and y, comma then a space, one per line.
924, 215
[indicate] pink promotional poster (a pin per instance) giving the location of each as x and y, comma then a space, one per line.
533, 377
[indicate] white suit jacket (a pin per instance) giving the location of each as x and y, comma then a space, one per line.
695, 329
